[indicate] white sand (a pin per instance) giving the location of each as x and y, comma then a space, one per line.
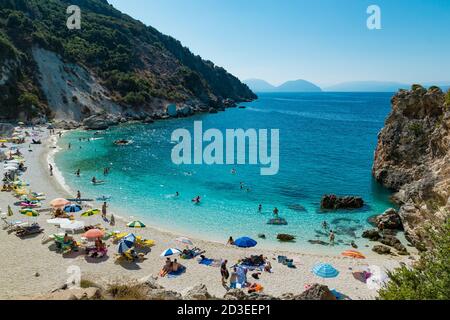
21, 259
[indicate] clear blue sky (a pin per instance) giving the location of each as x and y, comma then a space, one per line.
324, 41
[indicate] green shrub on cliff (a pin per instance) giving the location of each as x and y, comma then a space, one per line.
447, 98
429, 279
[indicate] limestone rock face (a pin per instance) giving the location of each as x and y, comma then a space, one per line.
316, 292
199, 292
389, 220
413, 158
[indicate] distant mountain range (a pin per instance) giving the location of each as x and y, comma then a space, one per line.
258, 85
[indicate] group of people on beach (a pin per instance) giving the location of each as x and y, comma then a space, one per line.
169, 267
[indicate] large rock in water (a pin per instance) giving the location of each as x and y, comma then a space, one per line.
413, 158
389, 220
333, 202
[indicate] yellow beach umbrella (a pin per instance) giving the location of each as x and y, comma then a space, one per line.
29, 212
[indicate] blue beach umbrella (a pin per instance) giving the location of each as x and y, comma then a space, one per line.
170, 252
126, 243
72, 208
325, 270
245, 242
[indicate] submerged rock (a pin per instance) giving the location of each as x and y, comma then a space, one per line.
285, 237
333, 202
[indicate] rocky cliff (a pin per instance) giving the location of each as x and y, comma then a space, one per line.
113, 64
413, 158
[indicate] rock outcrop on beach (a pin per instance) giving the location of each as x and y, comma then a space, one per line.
413, 158
333, 202
114, 64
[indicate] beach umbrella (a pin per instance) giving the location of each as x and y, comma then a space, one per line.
353, 254
325, 270
90, 213
10, 212
72, 208
94, 234
136, 224
126, 243
29, 212
59, 202
245, 242
184, 240
170, 252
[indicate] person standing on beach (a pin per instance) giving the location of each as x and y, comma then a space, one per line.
50, 167
104, 206
224, 272
78, 195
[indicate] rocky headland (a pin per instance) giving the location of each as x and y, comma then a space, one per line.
413, 159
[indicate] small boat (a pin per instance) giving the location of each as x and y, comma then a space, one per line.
277, 222
123, 142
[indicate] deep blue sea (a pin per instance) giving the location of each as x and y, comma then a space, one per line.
327, 143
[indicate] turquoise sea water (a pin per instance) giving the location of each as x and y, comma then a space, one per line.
327, 143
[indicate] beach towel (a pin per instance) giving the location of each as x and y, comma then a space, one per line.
178, 273
241, 277
210, 262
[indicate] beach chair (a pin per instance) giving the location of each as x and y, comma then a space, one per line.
144, 243
29, 230
119, 236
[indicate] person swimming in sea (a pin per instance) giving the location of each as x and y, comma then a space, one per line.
77, 173
196, 200
260, 208
275, 212
325, 225
233, 171
177, 194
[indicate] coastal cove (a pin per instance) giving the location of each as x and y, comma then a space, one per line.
330, 152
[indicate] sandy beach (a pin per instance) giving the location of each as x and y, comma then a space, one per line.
30, 267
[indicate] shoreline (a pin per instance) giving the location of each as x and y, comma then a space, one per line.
40, 259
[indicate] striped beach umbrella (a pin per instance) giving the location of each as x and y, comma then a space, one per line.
90, 213
184, 240
72, 208
126, 243
136, 224
170, 252
29, 212
325, 270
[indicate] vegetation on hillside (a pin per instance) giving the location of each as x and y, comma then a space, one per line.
429, 278
136, 62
